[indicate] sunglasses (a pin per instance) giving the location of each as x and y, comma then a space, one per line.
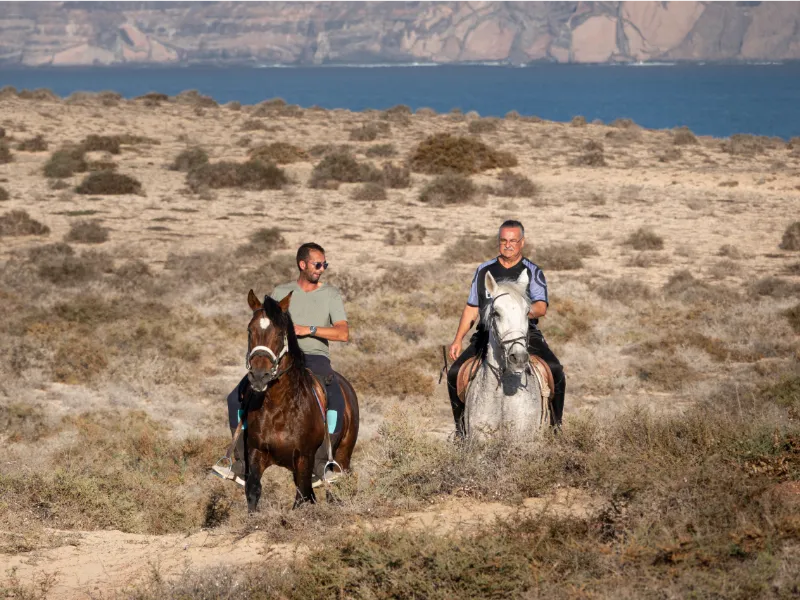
319, 265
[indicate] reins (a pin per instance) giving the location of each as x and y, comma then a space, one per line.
505, 344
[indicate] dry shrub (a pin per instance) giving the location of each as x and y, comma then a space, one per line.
563, 257
512, 115
19, 222
4, 195
79, 359
578, 121
263, 242
683, 136
774, 287
471, 249
381, 151
396, 177
485, 125
729, 183
34, 144
515, 185
57, 263
743, 144
669, 155
268, 107
369, 192
322, 150
280, 153
5, 153
623, 123
411, 235
24, 422
101, 143
645, 239
443, 152
101, 165
624, 290
592, 156
153, 98
87, 232
65, 162
682, 285
450, 188
191, 158
195, 98
791, 237
389, 377
398, 110
369, 132
108, 183
235, 105
250, 175
730, 251
254, 125
342, 167
793, 316
669, 373
41, 94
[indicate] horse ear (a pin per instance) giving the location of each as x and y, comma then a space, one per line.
253, 301
490, 283
284, 304
524, 279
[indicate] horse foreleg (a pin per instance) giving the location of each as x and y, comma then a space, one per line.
303, 467
259, 461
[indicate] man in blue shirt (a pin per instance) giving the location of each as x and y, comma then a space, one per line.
508, 265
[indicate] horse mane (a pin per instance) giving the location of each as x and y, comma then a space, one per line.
283, 321
506, 286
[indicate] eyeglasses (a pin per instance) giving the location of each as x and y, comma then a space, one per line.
319, 265
509, 242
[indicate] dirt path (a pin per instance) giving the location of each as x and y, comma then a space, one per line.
94, 562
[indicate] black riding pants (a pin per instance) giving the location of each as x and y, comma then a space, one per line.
321, 367
536, 346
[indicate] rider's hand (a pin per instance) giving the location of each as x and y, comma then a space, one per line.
302, 330
455, 349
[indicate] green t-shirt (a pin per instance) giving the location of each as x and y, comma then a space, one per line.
323, 307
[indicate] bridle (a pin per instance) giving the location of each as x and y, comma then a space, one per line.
505, 342
275, 359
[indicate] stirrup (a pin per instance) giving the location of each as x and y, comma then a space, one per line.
224, 469
329, 475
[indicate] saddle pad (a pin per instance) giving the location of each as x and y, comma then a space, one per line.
465, 374
544, 375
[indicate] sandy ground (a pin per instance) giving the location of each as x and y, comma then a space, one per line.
698, 203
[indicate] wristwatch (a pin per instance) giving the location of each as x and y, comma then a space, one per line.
313, 330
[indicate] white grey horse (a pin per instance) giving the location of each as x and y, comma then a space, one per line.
505, 396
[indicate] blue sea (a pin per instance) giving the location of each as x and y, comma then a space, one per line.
716, 100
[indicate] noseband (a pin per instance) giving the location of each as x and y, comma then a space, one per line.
274, 371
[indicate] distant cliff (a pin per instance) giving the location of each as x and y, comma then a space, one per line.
85, 33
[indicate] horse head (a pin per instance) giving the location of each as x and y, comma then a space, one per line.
507, 320
269, 336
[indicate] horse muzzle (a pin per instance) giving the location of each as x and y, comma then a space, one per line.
259, 380
518, 361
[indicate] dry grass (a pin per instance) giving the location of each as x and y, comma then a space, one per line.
683, 136
101, 143
406, 236
19, 222
87, 232
443, 152
450, 188
381, 151
515, 185
791, 237
4, 195
395, 177
485, 125
563, 257
369, 132
105, 182
250, 175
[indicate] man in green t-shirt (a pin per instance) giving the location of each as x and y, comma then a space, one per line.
317, 311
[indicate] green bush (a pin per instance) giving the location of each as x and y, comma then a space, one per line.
65, 162
342, 167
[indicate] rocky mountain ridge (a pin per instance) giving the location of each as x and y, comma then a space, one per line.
307, 33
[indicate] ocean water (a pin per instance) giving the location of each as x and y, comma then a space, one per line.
715, 100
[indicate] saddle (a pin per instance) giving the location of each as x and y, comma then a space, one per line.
540, 369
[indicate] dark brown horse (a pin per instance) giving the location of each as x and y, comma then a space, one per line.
286, 404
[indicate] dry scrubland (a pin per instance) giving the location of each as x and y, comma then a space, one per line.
132, 230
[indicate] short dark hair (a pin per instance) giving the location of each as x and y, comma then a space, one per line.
512, 223
304, 251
